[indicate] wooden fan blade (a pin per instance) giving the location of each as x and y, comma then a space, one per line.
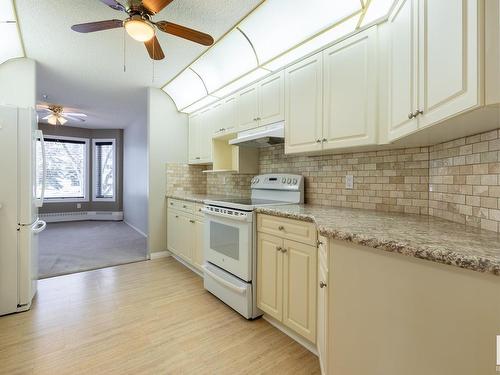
114, 5
155, 6
185, 32
74, 118
97, 26
154, 49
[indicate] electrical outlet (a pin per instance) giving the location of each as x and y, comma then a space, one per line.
78, 205
349, 181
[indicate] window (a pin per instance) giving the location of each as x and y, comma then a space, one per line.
104, 165
67, 165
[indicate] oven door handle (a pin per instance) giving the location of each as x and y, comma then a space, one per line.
212, 213
226, 283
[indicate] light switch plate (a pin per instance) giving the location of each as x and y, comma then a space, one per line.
349, 181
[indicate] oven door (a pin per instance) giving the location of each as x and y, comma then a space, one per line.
229, 242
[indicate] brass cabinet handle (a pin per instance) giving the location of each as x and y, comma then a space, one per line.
283, 250
192, 221
171, 203
320, 243
281, 227
318, 140
322, 284
184, 206
176, 216
411, 115
418, 112
324, 139
278, 248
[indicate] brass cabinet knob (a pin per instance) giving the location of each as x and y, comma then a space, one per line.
283, 250
318, 140
278, 248
410, 115
322, 284
418, 112
281, 227
192, 221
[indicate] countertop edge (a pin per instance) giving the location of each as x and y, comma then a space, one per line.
442, 256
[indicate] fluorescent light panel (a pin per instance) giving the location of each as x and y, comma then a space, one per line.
186, 89
10, 41
229, 59
376, 9
278, 25
315, 44
243, 81
200, 104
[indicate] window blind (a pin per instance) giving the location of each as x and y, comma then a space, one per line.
104, 159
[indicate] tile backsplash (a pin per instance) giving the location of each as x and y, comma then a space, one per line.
457, 180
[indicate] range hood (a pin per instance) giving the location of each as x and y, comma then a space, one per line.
261, 137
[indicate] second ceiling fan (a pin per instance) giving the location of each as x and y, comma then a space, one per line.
140, 26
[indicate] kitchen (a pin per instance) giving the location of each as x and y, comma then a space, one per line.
330, 204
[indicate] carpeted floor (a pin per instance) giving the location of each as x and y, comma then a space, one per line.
86, 245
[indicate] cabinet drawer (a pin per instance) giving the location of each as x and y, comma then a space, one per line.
181, 205
295, 230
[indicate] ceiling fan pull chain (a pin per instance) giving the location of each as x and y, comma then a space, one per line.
124, 50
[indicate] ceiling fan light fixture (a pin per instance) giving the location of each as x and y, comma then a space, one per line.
62, 120
52, 120
139, 29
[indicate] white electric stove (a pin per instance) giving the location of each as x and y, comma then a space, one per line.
230, 239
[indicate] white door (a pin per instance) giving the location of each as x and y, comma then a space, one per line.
248, 110
448, 49
350, 92
403, 69
303, 105
272, 99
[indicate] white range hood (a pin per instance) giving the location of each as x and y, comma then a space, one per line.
260, 137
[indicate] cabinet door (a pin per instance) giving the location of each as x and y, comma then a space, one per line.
230, 118
403, 69
194, 139
303, 105
173, 231
269, 275
448, 49
350, 92
206, 129
322, 336
248, 108
217, 118
185, 238
198, 257
272, 99
299, 288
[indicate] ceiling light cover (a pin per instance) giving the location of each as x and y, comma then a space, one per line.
140, 30
200, 104
242, 82
10, 39
278, 25
186, 89
376, 10
316, 43
228, 59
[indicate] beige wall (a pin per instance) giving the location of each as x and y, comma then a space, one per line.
167, 143
89, 134
18, 83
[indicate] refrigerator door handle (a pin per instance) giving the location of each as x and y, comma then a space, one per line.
39, 226
39, 201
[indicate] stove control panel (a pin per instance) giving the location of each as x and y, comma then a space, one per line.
278, 181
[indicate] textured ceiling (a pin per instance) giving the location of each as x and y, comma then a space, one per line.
85, 71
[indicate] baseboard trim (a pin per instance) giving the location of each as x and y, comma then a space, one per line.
186, 264
135, 228
82, 215
160, 254
302, 341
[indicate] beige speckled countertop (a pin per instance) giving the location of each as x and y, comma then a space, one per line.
196, 198
423, 237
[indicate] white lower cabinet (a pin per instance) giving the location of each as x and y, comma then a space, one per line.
322, 324
286, 279
185, 232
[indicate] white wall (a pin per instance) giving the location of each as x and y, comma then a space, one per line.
18, 83
167, 143
135, 175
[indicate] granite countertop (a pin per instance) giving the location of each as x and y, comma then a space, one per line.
196, 198
423, 237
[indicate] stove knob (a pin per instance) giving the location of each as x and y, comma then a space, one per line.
283, 180
295, 181
289, 181
256, 180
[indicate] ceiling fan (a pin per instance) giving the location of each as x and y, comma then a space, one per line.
140, 26
58, 116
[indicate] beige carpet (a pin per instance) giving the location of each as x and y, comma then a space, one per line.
86, 245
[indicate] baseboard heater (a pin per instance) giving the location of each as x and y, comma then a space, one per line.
82, 215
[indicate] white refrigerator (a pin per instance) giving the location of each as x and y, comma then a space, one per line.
21, 194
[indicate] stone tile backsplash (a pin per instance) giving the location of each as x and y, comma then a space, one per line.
457, 180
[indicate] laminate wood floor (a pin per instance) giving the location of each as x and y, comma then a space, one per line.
150, 317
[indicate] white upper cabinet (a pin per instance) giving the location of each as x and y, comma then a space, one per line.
303, 105
194, 139
402, 69
271, 92
350, 92
448, 53
206, 130
248, 108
